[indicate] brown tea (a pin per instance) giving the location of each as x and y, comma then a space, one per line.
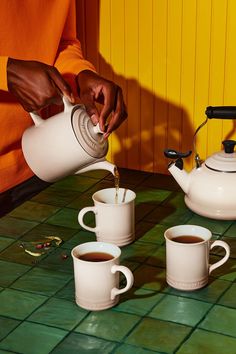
96, 257
187, 239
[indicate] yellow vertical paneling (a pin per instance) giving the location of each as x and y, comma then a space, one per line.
187, 95
105, 48
160, 23
172, 59
174, 48
133, 88
118, 64
203, 47
229, 126
145, 78
217, 71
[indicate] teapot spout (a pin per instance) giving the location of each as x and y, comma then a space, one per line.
181, 177
99, 165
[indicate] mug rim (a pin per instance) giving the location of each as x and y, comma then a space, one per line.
205, 238
96, 244
114, 189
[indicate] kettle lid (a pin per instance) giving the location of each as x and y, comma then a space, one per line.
89, 136
225, 160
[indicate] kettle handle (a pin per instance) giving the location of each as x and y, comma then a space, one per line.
221, 112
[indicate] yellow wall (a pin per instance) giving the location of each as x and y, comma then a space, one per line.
172, 59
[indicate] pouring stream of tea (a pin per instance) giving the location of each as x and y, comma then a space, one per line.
117, 183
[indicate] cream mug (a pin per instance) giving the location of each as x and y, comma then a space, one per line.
187, 257
114, 216
96, 274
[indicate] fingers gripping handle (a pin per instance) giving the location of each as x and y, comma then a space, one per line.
129, 279
81, 217
224, 259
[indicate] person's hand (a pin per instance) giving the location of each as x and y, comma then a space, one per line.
93, 88
35, 84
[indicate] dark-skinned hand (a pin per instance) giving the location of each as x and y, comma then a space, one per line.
93, 88
35, 84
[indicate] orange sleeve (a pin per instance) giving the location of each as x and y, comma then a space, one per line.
70, 60
3, 73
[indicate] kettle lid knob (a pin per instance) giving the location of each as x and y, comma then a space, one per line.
229, 146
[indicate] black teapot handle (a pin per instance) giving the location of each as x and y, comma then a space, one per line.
221, 112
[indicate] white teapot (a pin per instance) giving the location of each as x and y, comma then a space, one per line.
210, 188
65, 144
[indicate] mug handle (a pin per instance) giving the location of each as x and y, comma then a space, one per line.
129, 279
81, 216
224, 259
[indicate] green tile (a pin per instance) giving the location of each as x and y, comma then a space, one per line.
203, 342
54, 196
59, 260
215, 226
137, 252
142, 210
147, 232
180, 310
75, 183
227, 271
5, 242
130, 349
81, 237
169, 216
158, 258
32, 338
6, 326
228, 299
231, 232
15, 228
77, 343
15, 253
34, 211
58, 313
43, 230
10, 272
82, 201
151, 196
209, 293
67, 292
156, 180
138, 301
151, 278
108, 324
220, 319
42, 281
18, 304
176, 200
156, 335
65, 217
231, 241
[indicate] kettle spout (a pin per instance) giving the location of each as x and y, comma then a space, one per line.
100, 165
181, 177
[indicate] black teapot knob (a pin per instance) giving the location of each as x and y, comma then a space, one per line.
229, 146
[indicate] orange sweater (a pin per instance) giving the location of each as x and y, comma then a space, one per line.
42, 30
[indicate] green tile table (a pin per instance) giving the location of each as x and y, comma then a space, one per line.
38, 314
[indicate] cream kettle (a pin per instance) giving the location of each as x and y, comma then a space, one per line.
65, 144
210, 188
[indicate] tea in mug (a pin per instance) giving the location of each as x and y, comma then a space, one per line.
187, 239
96, 257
